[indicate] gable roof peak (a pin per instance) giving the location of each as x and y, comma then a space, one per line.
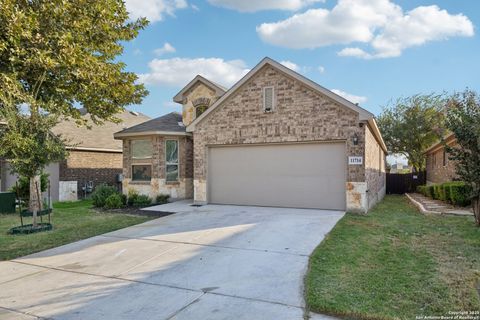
363, 114
219, 90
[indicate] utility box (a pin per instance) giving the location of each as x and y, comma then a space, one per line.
7, 202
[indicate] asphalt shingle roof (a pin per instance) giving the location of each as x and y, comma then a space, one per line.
100, 137
171, 122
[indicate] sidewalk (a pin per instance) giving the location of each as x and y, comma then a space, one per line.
429, 205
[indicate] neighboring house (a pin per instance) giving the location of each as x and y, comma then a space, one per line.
400, 168
95, 157
439, 168
275, 138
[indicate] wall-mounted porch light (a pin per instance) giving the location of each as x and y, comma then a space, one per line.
355, 139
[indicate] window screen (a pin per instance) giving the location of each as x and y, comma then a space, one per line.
268, 99
142, 149
141, 172
171, 160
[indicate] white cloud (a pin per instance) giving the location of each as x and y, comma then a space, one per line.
354, 52
153, 10
167, 48
379, 23
321, 69
177, 72
258, 5
291, 65
350, 97
419, 26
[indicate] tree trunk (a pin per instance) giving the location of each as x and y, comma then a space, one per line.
476, 210
35, 199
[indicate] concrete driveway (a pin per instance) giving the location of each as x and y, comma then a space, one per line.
210, 262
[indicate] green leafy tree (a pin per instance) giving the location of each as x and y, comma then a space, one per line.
55, 57
411, 125
463, 119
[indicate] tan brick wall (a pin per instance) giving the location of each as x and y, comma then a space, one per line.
301, 114
181, 189
436, 171
374, 168
94, 160
85, 166
199, 90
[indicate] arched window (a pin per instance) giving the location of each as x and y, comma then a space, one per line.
199, 110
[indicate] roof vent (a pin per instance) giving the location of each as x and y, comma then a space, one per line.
134, 113
181, 124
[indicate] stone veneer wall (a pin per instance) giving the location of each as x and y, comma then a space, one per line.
300, 114
436, 171
199, 90
177, 190
96, 166
374, 169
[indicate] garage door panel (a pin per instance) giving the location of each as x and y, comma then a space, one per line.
295, 175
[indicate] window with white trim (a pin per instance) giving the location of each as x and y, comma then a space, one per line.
171, 160
268, 99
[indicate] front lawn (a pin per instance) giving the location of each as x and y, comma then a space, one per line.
71, 222
396, 263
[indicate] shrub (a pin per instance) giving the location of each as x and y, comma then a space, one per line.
459, 193
124, 199
162, 198
101, 193
114, 201
132, 197
422, 190
429, 190
23, 190
442, 193
436, 191
142, 200
447, 189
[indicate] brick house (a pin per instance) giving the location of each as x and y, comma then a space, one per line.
439, 168
95, 157
275, 138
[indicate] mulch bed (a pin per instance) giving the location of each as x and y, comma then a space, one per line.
136, 211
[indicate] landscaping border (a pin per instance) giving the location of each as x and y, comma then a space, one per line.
420, 206
454, 211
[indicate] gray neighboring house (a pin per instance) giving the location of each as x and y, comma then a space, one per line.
275, 138
96, 157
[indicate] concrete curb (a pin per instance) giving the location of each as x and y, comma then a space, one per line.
420, 206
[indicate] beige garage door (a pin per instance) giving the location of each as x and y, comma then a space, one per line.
284, 175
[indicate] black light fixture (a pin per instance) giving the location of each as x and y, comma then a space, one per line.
355, 139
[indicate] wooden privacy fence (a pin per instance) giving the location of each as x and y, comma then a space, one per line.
400, 183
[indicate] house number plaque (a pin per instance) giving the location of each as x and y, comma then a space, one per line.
355, 160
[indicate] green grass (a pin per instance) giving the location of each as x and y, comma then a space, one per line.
72, 221
396, 263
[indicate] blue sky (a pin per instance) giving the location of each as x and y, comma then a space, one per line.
375, 50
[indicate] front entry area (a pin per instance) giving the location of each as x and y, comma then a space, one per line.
297, 175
